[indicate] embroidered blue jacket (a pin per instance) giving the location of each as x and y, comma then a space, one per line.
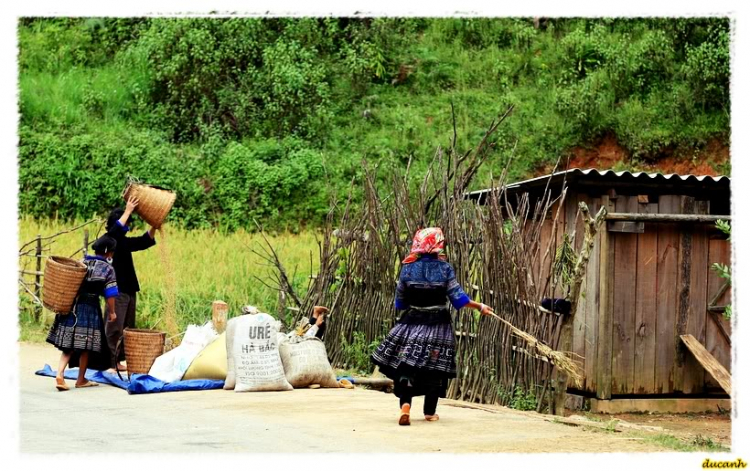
430, 274
100, 279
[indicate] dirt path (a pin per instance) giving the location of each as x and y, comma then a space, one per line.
107, 419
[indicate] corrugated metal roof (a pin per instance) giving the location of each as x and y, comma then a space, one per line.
610, 175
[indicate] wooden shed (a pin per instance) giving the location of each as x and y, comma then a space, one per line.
649, 287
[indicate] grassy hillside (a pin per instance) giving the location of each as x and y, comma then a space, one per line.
271, 118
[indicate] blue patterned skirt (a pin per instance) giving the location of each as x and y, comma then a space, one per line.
418, 354
81, 330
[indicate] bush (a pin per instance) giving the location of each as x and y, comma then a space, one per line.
278, 183
271, 118
357, 353
270, 181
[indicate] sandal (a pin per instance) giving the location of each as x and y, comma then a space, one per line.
60, 384
87, 384
431, 418
404, 419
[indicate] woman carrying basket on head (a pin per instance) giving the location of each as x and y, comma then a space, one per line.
81, 333
418, 354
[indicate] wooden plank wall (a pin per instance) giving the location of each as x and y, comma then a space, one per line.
645, 304
668, 241
661, 284
624, 286
591, 319
693, 374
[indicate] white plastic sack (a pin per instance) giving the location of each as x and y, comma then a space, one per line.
255, 360
229, 382
171, 366
306, 362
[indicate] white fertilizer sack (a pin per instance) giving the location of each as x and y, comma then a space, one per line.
306, 362
255, 356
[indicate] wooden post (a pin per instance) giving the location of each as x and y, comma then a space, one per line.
85, 242
219, 315
38, 278
606, 275
565, 344
282, 305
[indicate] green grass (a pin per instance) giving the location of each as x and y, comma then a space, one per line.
698, 443
94, 97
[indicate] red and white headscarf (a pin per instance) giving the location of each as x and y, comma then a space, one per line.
429, 240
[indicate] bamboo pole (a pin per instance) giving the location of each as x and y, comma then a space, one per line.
85, 242
38, 278
698, 218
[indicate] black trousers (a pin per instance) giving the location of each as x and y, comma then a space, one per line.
125, 310
430, 403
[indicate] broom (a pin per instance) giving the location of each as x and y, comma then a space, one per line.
558, 359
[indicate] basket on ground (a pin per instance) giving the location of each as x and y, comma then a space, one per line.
142, 347
62, 279
154, 203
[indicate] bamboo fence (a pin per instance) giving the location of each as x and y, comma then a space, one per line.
498, 257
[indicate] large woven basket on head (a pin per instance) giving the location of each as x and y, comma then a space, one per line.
142, 347
62, 279
154, 203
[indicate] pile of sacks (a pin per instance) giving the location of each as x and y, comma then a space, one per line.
252, 355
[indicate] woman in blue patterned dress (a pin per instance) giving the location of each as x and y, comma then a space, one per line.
81, 332
418, 354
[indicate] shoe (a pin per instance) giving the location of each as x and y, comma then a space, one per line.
431, 418
87, 384
60, 384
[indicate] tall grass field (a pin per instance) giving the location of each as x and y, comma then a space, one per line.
205, 266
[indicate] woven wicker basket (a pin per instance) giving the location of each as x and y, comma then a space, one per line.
142, 347
154, 202
62, 279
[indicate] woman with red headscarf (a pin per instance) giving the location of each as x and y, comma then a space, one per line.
418, 354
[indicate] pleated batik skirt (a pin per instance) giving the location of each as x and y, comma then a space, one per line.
81, 330
418, 357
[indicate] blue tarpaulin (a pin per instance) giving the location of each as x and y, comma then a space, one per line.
139, 383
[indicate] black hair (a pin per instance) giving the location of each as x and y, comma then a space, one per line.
104, 244
115, 216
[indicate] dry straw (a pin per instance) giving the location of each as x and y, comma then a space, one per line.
170, 288
62, 280
558, 359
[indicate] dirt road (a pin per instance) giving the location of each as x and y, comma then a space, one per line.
107, 419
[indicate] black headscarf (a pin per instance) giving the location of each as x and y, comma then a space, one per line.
104, 244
